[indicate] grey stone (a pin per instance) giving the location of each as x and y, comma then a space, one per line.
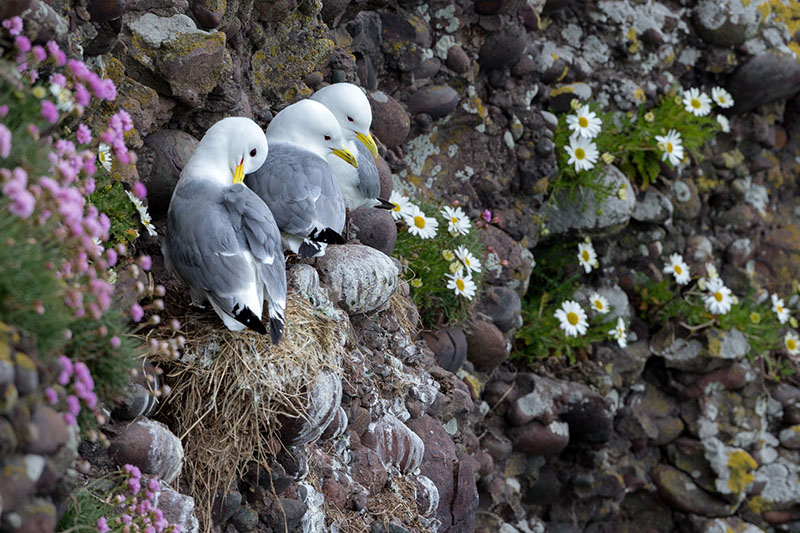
502, 306
685, 199
148, 444
245, 519
680, 492
50, 430
363, 278
790, 437
772, 75
321, 405
390, 122
154, 30
305, 279
486, 346
275, 10
178, 509
726, 22
654, 207
586, 213
617, 301
437, 101
394, 443
502, 49
457, 59
376, 228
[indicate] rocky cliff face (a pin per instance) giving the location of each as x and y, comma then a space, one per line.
439, 431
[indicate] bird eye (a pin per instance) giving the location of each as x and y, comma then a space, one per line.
327, 137
351, 119
253, 152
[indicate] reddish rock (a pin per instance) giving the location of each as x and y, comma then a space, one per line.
387, 186
518, 270
390, 122
449, 346
537, 439
50, 429
172, 149
335, 493
732, 378
437, 101
778, 258
149, 445
465, 502
457, 59
368, 470
394, 443
438, 463
486, 346
376, 228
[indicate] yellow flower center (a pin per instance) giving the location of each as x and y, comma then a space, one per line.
669, 147
779, 308
678, 270
585, 256
791, 344
696, 103
583, 122
598, 304
572, 318
454, 220
718, 296
460, 284
580, 153
419, 221
466, 261
102, 156
755, 318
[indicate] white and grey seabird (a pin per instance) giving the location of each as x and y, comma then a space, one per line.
296, 181
221, 238
360, 187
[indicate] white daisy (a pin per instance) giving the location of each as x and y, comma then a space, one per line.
144, 215
584, 123
678, 268
402, 205
724, 123
620, 333
672, 146
780, 310
63, 96
104, 156
599, 304
719, 300
457, 221
791, 342
470, 261
461, 284
420, 225
722, 97
587, 257
448, 255
696, 103
572, 318
582, 153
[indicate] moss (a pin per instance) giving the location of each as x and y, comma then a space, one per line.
741, 466
24, 361
633, 37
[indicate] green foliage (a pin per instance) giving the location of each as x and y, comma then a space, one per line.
426, 268
85, 507
555, 279
27, 282
109, 197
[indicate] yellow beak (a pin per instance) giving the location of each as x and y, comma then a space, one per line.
369, 142
238, 174
347, 155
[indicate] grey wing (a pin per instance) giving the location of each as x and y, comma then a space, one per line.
261, 236
204, 250
299, 189
369, 180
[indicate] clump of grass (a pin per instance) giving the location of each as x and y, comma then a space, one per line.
109, 197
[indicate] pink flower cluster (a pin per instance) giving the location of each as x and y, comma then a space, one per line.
114, 135
15, 187
82, 388
138, 509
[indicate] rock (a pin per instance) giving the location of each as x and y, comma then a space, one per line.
457, 59
390, 122
363, 278
105, 10
590, 420
449, 346
403, 36
335, 493
13, 8
654, 207
376, 228
321, 405
493, 7
427, 499
386, 177
739, 252
516, 274
245, 519
275, 10
332, 10
618, 302
561, 96
502, 306
726, 23
790, 437
178, 509
536, 439
465, 502
688, 455
26, 376
18, 479
368, 470
486, 346
585, 213
225, 506
43, 23
8, 438
149, 445
685, 199
285, 513
50, 430
769, 76
437, 101
337, 427
789, 397
138, 401
502, 49
428, 68
732, 378
438, 463
654, 416
678, 490
394, 443
778, 258
37, 515
542, 403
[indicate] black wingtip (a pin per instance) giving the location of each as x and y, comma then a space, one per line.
249, 319
328, 236
276, 330
308, 249
384, 204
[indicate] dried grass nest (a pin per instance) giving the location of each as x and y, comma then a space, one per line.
230, 388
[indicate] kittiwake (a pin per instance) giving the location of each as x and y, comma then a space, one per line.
296, 181
221, 239
362, 186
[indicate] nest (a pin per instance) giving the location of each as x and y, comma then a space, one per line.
231, 388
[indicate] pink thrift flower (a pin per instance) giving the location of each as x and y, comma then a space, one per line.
39, 53
135, 485
109, 90
3, 110
102, 526
49, 111
66, 370
13, 25
132, 470
115, 342
5, 141
78, 69
23, 44
139, 190
82, 95
153, 485
58, 79
73, 405
486, 215
84, 134
88, 186
70, 419
51, 395
111, 257
137, 313
91, 400
83, 374
145, 262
